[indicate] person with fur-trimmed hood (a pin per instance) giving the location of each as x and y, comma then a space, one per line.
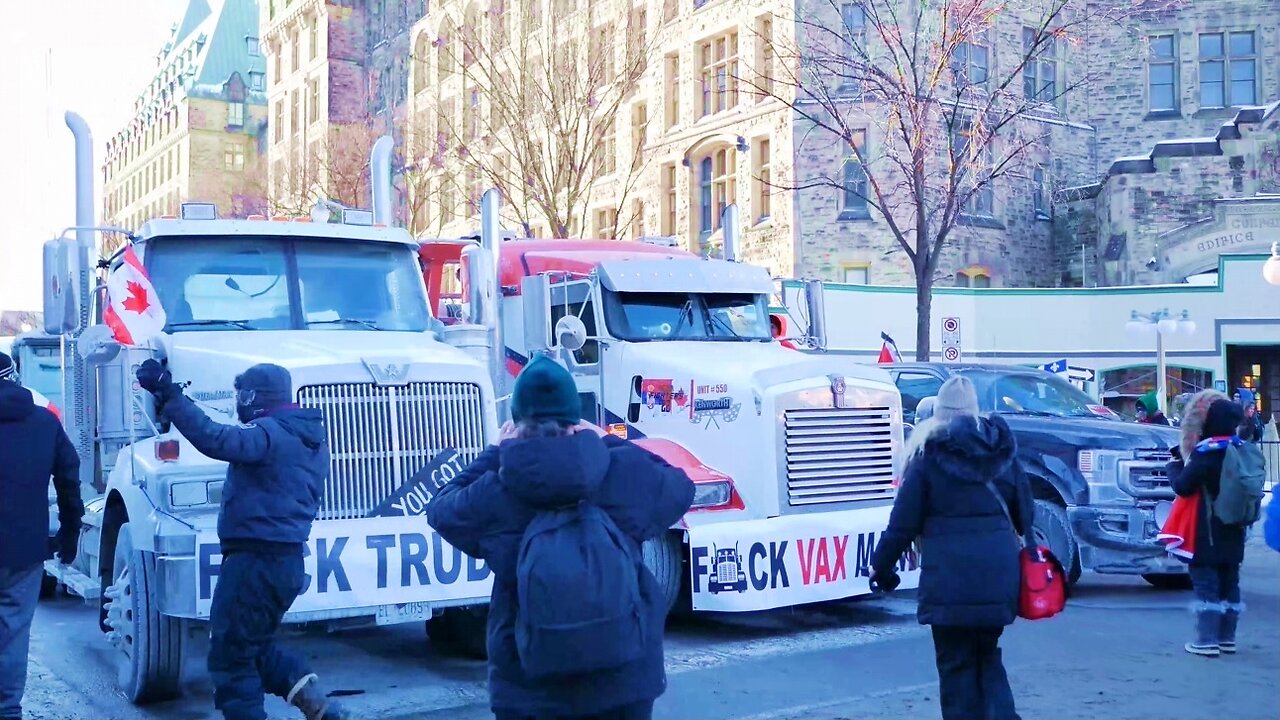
1209, 425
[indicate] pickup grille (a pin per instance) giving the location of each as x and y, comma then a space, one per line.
380, 436
1147, 476
837, 455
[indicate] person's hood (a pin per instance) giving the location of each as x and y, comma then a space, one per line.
973, 451
304, 423
16, 402
549, 472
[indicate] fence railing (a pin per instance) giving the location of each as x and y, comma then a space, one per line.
1271, 451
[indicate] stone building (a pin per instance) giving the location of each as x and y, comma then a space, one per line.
337, 79
199, 124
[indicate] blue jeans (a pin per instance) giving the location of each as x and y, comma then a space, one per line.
1216, 584
19, 593
253, 593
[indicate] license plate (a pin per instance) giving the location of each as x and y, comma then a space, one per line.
403, 613
1163, 508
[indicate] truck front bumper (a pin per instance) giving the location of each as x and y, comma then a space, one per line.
1121, 541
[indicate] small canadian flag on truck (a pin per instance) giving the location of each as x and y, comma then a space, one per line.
133, 312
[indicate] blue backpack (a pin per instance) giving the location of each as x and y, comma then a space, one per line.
579, 608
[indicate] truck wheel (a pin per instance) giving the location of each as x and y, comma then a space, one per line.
461, 631
48, 587
150, 644
1052, 530
1169, 581
663, 556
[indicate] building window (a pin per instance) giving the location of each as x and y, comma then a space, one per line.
637, 219
717, 188
854, 204
295, 112
978, 164
668, 223
856, 273
1162, 74
313, 33
971, 62
277, 65
1041, 192
251, 44
764, 57
233, 156
294, 57
235, 114
606, 160
1041, 77
763, 194
314, 111
974, 277
1228, 69
606, 224
853, 19
257, 81
672, 89
279, 121
639, 130
719, 63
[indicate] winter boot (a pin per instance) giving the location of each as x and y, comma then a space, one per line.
1227, 630
313, 701
1208, 621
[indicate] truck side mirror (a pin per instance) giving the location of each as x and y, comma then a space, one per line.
61, 287
97, 346
535, 290
571, 333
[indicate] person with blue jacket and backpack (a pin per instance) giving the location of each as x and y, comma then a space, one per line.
559, 510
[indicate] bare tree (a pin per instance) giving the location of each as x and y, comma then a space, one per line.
954, 91
334, 167
534, 106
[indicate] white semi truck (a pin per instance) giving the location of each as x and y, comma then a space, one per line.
343, 307
793, 454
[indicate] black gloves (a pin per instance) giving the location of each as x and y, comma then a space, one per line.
68, 545
155, 379
886, 582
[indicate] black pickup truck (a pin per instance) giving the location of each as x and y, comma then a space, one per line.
1099, 481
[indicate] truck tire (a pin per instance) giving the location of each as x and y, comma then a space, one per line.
150, 645
663, 556
1169, 581
1052, 530
461, 631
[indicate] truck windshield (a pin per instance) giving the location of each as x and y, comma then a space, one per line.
1028, 394
273, 283
640, 317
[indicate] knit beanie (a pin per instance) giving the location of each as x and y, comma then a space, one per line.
544, 390
272, 385
957, 397
7, 371
1148, 403
1222, 419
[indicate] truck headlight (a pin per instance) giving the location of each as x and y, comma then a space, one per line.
1100, 469
712, 494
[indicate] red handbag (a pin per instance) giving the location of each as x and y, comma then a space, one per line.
1042, 592
1044, 584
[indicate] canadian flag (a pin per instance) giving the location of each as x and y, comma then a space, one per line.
133, 312
42, 401
888, 351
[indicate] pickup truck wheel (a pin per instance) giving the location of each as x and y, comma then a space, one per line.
461, 631
1052, 530
149, 644
662, 555
1169, 581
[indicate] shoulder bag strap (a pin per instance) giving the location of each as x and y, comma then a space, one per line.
1004, 506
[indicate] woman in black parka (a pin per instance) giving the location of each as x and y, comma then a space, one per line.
970, 575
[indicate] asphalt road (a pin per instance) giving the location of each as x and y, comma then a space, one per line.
1116, 653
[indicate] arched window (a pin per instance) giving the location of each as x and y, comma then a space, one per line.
421, 62
973, 277
444, 55
717, 187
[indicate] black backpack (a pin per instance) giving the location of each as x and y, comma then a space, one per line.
579, 607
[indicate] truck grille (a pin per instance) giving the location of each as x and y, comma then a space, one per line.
380, 436
839, 455
1148, 477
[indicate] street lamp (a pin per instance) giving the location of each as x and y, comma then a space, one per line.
1271, 270
1161, 323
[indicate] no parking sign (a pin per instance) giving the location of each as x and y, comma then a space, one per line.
951, 339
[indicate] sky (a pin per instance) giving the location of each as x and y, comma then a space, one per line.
88, 56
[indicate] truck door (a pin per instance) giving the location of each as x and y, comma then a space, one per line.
574, 298
915, 385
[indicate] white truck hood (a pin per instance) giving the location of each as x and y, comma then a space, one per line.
755, 364
211, 360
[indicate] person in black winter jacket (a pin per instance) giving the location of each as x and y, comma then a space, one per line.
1219, 550
33, 447
278, 460
970, 577
548, 458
